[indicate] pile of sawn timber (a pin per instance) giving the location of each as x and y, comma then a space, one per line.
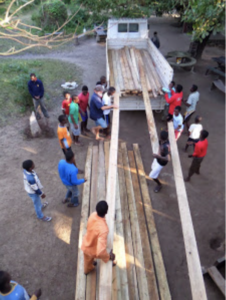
125, 74
140, 272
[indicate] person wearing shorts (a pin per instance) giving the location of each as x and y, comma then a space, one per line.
63, 134
73, 120
191, 104
194, 133
160, 160
96, 111
178, 122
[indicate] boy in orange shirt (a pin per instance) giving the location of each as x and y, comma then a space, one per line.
63, 134
94, 244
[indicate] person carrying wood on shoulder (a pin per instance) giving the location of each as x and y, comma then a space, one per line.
94, 244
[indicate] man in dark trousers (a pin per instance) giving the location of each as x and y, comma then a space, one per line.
155, 40
36, 89
199, 154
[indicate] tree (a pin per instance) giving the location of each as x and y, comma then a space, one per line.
206, 17
11, 28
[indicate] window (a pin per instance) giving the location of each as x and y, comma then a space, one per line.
133, 27
122, 27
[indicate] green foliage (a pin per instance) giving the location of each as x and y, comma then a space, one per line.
51, 15
2, 10
206, 16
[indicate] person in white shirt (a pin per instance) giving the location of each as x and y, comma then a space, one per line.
191, 103
194, 132
107, 99
177, 122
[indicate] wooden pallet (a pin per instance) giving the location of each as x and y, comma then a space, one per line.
140, 272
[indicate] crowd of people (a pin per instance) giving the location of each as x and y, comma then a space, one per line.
76, 111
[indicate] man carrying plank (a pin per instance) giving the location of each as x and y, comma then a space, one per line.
160, 160
94, 243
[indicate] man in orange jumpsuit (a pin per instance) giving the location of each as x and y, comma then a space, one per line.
94, 243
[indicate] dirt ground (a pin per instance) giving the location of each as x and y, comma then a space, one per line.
39, 254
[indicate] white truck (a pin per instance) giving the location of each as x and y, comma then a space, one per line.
124, 38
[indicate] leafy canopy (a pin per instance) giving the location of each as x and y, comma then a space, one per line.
206, 16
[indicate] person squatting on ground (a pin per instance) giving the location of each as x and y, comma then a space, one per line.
68, 172
191, 104
33, 187
94, 244
63, 134
178, 122
73, 120
160, 160
96, 111
174, 101
198, 155
11, 290
36, 89
155, 40
66, 106
83, 105
107, 98
194, 133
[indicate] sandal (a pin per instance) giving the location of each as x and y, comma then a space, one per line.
65, 201
44, 205
157, 188
46, 219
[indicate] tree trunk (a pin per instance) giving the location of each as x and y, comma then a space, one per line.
196, 48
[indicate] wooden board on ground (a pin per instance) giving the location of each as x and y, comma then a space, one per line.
218, 279
148, 262
81, 278
137, 247
191, 249
153, 236
130, 262
106, 269
91, 278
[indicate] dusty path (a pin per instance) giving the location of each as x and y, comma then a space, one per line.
39, 254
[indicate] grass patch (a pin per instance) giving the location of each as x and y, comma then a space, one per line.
14, 97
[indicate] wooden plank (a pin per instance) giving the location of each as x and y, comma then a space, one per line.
116, 78
128, 71
191, 250
149, 114
119, 71
111, 79
218, 279
153, 236
134, 62
149, 78
106, 269
124, 71
137, 248
91, 278
148, 262
80, 291
130, 262
132, 69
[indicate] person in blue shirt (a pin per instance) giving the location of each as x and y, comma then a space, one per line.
36, 89
11, 290
68, 172
96, 111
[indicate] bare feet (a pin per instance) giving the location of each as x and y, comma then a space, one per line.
98, 138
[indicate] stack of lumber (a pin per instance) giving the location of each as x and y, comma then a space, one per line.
125, 75
139, 273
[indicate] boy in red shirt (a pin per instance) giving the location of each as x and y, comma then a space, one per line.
174, 101
66, 105
83, 104
199, 154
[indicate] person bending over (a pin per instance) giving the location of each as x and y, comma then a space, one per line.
94, 244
